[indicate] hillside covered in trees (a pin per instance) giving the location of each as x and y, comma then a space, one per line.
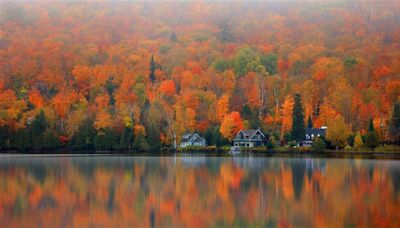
140, 74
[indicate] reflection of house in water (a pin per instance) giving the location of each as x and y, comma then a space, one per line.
191, 161
250, 162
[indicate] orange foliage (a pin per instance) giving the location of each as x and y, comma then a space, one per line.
327, 114
139, 129
381, 71
36, 99
167, 87
222, 107
231, 124
99, 63
103, 120
286, 114
62, 103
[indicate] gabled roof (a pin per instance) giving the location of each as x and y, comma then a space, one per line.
316, 131
187, 137
248, 134
191, 137
199, 139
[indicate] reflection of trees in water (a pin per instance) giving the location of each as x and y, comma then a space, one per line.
204, 191
395, 175
298, 171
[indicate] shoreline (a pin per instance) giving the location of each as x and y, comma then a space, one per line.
394, 155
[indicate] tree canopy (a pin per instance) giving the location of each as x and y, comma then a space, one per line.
107, 68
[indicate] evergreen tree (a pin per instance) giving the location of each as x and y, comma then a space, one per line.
50, 140
225, 34
110, 87
38, 128
298, 131
153, 136
309, 123
214, 137
106, 139
318, 145
22, 140
84, 138
372, 137
152, 69
4, 137
395, 123
251, 115
173, 37
371, 125
126, 139
140, 143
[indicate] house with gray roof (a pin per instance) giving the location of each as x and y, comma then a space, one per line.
250, 138
192, 139
313, 133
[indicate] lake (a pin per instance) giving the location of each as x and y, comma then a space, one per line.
54, 191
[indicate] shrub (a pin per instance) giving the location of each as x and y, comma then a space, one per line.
372, 140
292, 144
318, 145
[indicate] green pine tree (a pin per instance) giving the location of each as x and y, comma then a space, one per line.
50, 140
152, 69
298, 132
372, 137
22, 140
106, 139
213, 137
126, 139
371, 125
153, 136
5, 134
84, 138
140, 143
38, 128
173, 37
309, 123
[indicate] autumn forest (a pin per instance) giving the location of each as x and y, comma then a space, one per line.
138, 75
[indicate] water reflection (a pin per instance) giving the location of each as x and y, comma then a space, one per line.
198, 191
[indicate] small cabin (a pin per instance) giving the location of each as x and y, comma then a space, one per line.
192, 139
313, 133
250, 138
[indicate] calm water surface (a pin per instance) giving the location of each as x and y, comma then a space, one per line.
198, 191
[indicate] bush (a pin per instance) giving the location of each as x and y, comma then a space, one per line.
318, 145
372, 140
292, 144
270, 145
